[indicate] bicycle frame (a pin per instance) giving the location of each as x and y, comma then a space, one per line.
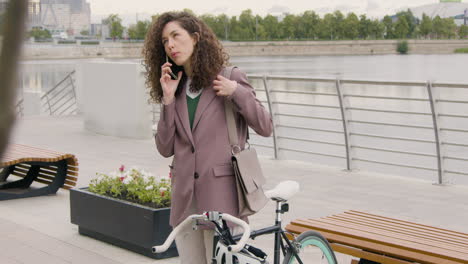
280, 236
229, 247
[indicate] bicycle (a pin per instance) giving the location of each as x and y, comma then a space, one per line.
305, 248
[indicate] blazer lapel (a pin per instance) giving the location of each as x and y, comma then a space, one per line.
206, 98
182, 112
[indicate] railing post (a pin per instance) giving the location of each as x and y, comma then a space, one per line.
438, 142
73, 90
48, 102
344, 118
270, 107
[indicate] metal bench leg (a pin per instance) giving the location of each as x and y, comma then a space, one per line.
59, 180
26, 181
52, 188
6, 172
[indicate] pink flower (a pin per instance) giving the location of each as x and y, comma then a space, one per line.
122, 168
122, 178
170, 175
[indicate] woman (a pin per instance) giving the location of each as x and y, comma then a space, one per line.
192, 125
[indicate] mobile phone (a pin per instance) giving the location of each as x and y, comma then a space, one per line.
174, 68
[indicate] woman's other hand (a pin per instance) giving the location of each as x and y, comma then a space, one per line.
168, 85
224, 86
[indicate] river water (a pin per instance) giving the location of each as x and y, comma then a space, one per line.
328, 147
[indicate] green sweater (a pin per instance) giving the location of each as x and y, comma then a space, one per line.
192, 108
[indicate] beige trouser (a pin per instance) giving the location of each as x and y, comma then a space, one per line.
196, 246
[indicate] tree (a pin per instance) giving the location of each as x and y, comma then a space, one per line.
364, 27
289, 27
213, 23
389, 28
235, 28
438, 27
188, 10
223, 20
327, 27
338, 23
376, 29
260, 32
139, 30
425, 28
463, 31
411, 20
402, 29
271, 26
310, 20
351, 26
247, 25
115, 25
444, 27
450, 27
38, 33
84, 32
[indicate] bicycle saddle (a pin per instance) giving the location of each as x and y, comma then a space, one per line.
283, 191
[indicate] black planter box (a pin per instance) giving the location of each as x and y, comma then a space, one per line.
131, 226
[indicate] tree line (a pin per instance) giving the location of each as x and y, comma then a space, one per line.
310, 26
332, 26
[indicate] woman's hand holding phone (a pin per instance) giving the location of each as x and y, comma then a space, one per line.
169, 85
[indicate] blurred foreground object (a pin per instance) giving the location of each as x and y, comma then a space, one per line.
13, 30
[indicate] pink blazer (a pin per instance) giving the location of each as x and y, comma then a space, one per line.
201, 168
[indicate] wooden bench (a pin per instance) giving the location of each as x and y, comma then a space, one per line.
54, 169
378, 239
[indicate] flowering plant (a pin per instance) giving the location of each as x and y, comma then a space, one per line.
133, 185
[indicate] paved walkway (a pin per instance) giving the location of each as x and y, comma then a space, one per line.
38, 230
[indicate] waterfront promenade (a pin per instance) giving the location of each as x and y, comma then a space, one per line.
38, 230
125, 50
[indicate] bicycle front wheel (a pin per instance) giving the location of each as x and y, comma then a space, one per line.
311, 247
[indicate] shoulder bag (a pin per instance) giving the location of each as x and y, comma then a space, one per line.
247, 170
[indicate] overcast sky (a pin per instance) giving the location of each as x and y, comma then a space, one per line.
234, 7
373, 8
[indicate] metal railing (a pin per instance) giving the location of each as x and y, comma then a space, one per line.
344, 123
61, 99
20, 107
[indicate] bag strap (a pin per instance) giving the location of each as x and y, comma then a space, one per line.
230, 119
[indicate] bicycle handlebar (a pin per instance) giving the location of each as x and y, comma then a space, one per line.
234, 248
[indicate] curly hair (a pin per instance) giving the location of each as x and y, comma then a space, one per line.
207, 59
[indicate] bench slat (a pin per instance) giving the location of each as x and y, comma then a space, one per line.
375, 246
52, 173
426, 227
381, 239
401, 228
405, 237
22, 170
50, 179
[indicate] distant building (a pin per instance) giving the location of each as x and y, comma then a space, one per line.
444, 9
95, 29
34, 12
70, 16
